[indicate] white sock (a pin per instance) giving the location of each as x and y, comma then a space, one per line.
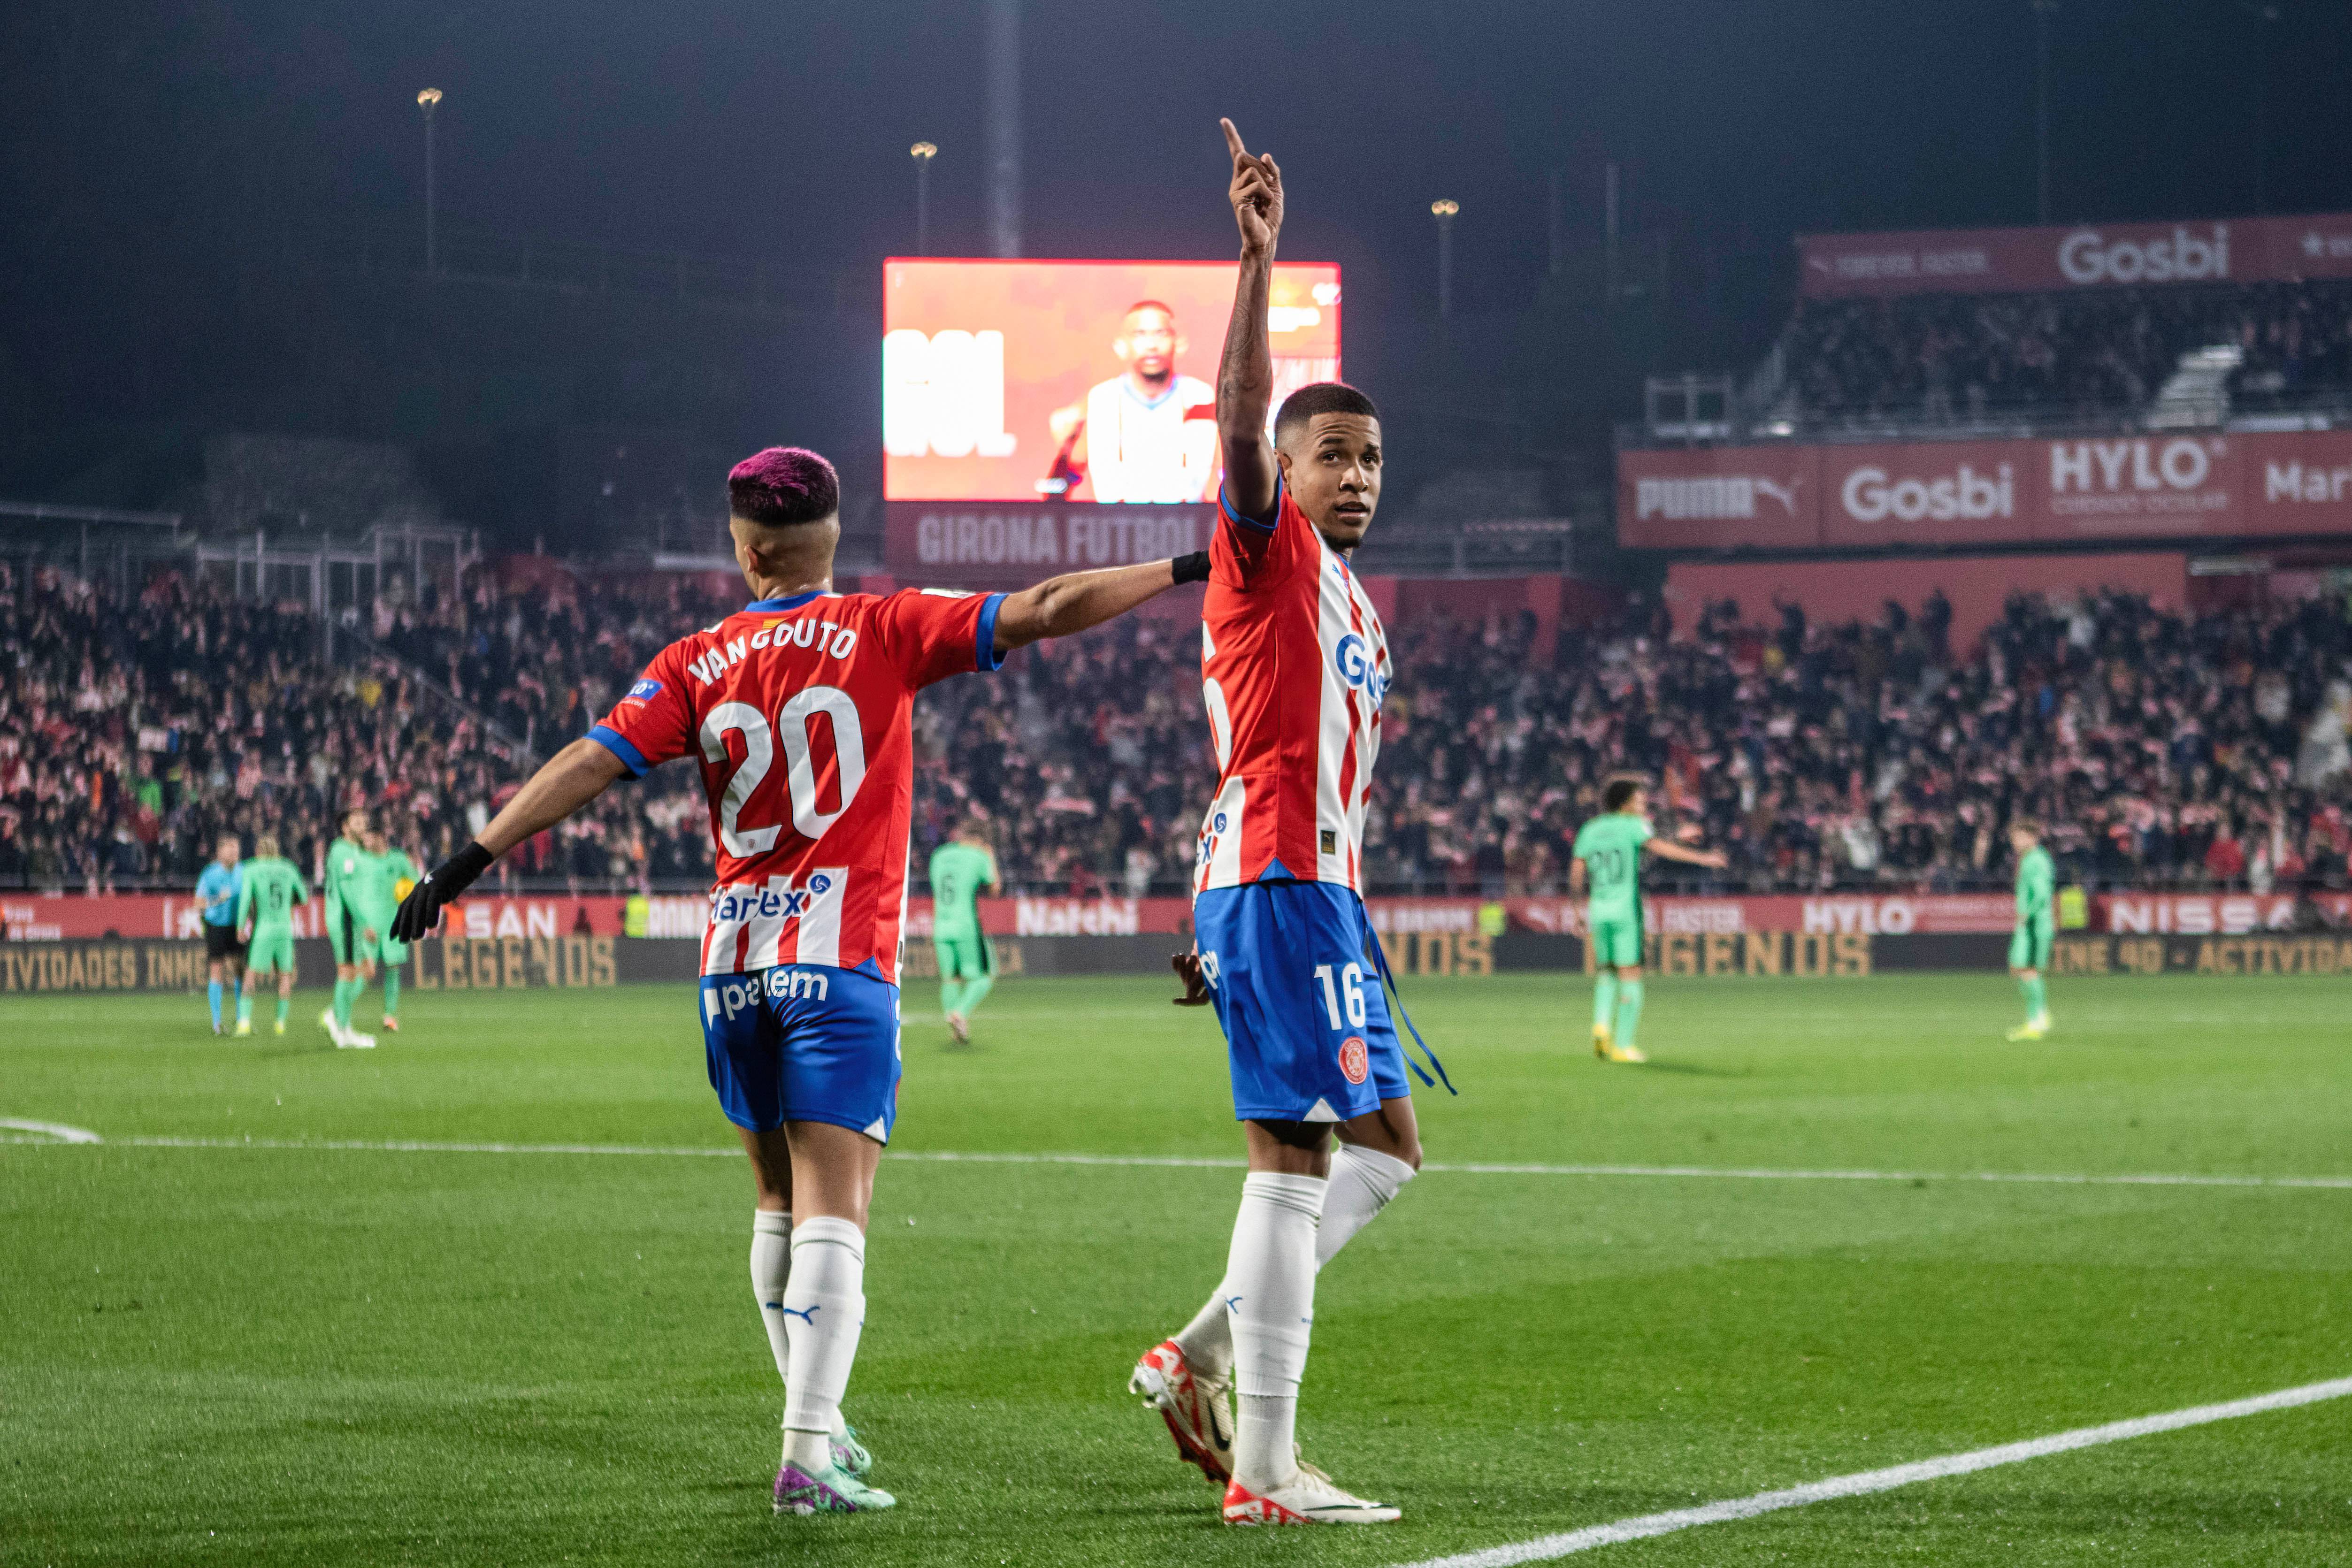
1270, 1292
825, 1309
1207, 1340
1362, 1182
772, 1265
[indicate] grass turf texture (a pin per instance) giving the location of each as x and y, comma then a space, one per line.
224, 1355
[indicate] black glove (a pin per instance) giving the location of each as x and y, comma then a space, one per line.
420, 911
1196, 984
1193, 567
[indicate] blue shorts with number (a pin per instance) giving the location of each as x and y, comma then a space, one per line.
1305, 1021
803, 1042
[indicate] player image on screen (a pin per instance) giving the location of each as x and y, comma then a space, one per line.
2037, 927
1607, 859
1294, 666
960, 868
267, 891
217, 890
798, 711
1147, 436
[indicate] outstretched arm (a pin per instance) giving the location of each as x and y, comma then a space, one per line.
1245, 376
1667, 848
1077, 600
571, 778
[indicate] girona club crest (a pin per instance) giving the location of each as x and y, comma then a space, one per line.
1355, 1062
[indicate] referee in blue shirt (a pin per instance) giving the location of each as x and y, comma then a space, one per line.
218, 891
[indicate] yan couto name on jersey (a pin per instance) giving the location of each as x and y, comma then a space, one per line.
838, 643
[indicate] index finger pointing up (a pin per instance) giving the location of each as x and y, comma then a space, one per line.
1233, 140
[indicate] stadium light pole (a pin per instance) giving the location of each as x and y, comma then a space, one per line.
923, 153
2265, 17
1444, 211
2043, 10
426, 100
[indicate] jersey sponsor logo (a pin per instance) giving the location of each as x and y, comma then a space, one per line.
643, 691
1353, 658
1355, 1061
785, 902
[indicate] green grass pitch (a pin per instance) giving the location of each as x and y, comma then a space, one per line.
269, 1355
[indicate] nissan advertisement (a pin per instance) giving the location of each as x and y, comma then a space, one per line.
2084, 255
1934, 494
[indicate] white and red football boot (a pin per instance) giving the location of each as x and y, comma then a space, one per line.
1310, 1497
1197, 1407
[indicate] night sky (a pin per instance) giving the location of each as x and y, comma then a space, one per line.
138, 134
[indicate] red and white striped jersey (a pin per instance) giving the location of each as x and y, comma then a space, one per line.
1294, 664
799, 712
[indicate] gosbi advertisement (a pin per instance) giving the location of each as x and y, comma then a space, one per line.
2076, 490
2080, 256
1041, 416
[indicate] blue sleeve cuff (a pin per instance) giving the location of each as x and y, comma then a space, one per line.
611, 740
1226, 507
984, 655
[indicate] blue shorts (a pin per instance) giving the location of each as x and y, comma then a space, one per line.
1305, 1021
803, 1042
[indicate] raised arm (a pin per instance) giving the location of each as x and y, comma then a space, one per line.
570, 780
1245, 375
1077, 600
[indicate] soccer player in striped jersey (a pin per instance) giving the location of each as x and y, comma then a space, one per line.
797, 710
1294, 665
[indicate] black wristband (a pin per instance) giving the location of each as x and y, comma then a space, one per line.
1193, 567
460, 869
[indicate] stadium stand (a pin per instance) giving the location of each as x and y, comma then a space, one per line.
1948, 358
2204, 750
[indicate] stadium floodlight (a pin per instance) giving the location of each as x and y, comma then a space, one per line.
1442, 210
426, 100
923, 153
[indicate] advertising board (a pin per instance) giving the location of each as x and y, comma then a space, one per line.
2077, 256
1934, 495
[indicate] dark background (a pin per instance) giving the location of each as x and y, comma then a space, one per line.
211, 213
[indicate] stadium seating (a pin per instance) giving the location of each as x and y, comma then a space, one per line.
1950, 358
2204, 751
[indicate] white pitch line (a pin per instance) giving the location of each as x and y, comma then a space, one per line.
56, 1133
1544, 1549
52, 1132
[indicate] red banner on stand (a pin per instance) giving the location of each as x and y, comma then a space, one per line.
2080, 256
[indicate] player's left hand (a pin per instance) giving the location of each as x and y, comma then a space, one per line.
1196, 985
420, 911
1256, 192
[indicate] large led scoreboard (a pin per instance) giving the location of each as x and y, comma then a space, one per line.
1038, 416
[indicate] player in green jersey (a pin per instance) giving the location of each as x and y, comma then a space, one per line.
348, 931
1607, 861
265, 922
959, 869
2029, 946
384, 880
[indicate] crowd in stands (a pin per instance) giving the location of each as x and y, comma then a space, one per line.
2203, 751
1952, 357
